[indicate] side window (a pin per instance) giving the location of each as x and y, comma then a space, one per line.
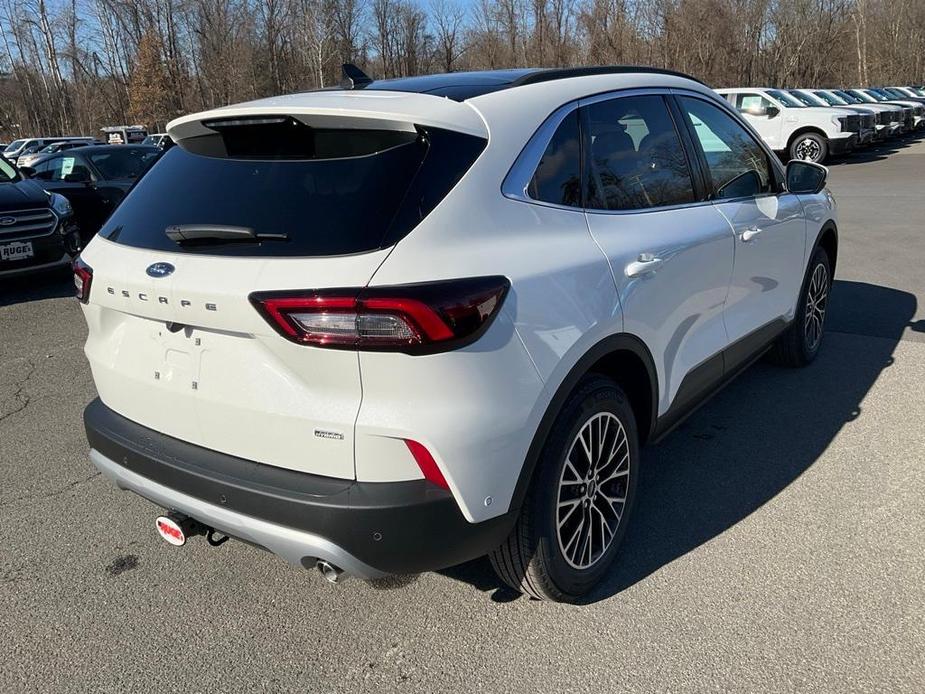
635, 158
738, 166
752, 104
49, 170
558, 177
63, 168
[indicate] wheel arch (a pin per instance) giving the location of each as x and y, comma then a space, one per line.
622, 357
803, 130
827, 240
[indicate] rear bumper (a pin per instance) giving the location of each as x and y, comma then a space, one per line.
369, 529
50, 251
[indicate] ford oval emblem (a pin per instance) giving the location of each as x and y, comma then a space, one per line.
160, 269
7, 221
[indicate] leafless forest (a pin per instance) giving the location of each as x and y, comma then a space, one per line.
71, 66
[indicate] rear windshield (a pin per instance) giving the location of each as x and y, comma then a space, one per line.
330, 206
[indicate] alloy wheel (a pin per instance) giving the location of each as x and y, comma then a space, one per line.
808, 149
816, 299
592, 490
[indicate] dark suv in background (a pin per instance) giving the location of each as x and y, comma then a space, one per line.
94, 179
37, 229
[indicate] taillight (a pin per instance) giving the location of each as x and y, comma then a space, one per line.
413, 318
83, 278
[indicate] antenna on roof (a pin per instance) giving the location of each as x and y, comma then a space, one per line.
354, 77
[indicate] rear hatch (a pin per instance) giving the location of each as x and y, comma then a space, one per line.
256, 200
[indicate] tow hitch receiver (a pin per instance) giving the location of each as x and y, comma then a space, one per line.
176, 528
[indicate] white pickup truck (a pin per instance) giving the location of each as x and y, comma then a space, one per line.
789, 126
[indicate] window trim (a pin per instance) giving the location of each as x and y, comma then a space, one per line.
774, 163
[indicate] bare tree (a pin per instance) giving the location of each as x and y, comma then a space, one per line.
74, 65
448, 18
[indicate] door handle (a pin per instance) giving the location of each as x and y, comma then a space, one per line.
645, 264
750, 234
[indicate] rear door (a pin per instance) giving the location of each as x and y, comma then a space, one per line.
671, 252
175, 342
768, 222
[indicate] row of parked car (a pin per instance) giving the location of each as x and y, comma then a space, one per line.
53, 199
30, 150
56, 192
815, 124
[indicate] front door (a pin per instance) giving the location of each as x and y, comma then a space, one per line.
768, 223
671, 254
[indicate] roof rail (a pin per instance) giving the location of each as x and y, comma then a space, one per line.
561, 73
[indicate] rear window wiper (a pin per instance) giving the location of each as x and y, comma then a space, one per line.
218, 233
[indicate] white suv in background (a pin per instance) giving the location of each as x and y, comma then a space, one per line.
394, 327
792, 128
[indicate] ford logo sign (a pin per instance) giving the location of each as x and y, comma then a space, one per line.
7, 221
160, 269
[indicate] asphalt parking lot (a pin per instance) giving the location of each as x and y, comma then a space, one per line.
778, 545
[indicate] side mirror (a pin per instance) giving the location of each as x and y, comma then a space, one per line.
772, 111
805, 177
27, 171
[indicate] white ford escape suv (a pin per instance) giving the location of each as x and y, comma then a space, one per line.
393, 327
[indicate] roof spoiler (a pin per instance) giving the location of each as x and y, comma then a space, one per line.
354, 108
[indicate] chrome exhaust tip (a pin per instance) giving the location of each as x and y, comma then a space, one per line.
331, 573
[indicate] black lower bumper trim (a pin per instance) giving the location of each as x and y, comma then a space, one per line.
842, 145
396, 527
45, 250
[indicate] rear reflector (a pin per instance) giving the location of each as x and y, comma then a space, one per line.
427, 463
83, 278
412, 318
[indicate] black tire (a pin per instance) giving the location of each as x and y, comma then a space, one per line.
796, 347
532, 560
809, 147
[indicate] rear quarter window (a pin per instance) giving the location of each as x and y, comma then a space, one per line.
558, 176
